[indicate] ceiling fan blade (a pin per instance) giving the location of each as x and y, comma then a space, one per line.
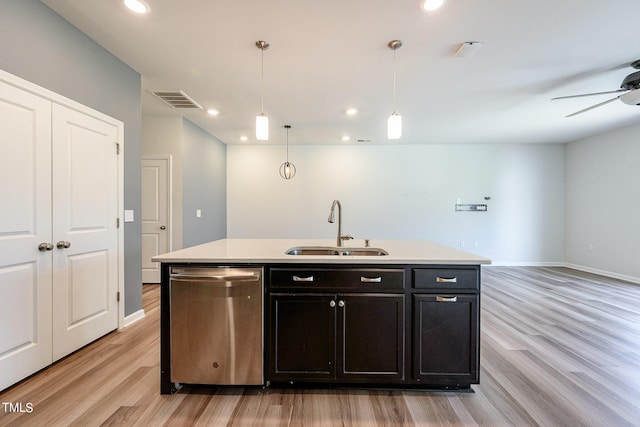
589, 94
594, 106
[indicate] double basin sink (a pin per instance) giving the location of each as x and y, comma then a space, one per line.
335, 251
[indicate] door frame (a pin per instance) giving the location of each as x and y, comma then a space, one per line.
69, 103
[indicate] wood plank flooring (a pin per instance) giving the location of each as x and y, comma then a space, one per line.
559, 348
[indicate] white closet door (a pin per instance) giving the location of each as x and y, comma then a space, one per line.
85, 197
25, 223
156, 227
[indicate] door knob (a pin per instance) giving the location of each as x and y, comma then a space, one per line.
162, 227
45, 247
63, 244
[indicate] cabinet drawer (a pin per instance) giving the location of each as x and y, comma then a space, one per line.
366, 279
446, 278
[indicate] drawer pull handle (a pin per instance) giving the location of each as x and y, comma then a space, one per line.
370, 279
446, 299
303, 279
446, 279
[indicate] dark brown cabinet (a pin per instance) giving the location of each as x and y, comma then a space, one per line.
446, 325
303, 329
445, 336
352, 336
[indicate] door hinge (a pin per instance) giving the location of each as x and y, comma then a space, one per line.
117, 148
118, 296
117, 222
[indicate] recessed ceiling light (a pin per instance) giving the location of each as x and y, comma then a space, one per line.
137, 6
346, 138
432, 4
213, 112
244, 138
351, 111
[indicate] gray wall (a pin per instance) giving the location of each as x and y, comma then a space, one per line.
406, 192
204, 186
41, 47
603, 203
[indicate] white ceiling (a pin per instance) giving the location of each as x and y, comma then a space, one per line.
329, 55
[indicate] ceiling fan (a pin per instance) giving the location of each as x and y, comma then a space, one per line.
630, 86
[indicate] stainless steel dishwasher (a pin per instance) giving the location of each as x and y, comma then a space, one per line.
216, 325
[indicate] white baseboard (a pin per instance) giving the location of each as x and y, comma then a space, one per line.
524, 264
604, 273
133, 317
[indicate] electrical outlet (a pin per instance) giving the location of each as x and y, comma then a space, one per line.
198, 213
462, 243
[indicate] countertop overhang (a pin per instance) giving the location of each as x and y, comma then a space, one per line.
271, 251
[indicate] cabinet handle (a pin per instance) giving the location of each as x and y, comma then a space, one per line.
303, 279
340, 303
332, 304
446, 279
446, 299
370, 279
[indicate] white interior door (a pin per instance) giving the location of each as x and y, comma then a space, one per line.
85, 235
25, 223
156, 230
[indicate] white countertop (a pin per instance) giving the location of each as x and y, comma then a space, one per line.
262, 251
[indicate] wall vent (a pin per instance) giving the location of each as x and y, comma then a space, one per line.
176, 99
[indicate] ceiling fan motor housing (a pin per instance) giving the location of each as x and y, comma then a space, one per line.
632, 81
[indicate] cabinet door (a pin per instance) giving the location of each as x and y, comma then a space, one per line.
25, 223
446, 329
303, 336
372, 332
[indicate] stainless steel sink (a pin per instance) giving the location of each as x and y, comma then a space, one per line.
312, 250
328, 250
364, 252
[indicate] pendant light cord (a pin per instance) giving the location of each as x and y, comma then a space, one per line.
394, 80
262, 81
287, 127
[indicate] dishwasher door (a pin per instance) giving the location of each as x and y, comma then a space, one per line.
216, 325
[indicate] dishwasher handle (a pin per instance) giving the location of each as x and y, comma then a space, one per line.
214, 275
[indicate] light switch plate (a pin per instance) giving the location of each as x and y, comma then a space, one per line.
128, 215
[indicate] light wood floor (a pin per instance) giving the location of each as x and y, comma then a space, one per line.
559, 348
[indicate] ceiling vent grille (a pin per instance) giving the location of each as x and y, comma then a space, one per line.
176, 99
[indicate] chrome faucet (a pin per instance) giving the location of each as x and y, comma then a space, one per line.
331, 219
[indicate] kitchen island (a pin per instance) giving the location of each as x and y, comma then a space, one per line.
408, 319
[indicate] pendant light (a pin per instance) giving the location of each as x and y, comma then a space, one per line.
394, 124
262, 121
287, 169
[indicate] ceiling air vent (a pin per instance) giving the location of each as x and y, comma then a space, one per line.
176, 98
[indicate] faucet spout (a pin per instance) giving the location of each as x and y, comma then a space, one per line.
332, 220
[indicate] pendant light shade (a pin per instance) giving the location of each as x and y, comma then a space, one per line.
262, 121
262, 127
394, 124
287, 169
